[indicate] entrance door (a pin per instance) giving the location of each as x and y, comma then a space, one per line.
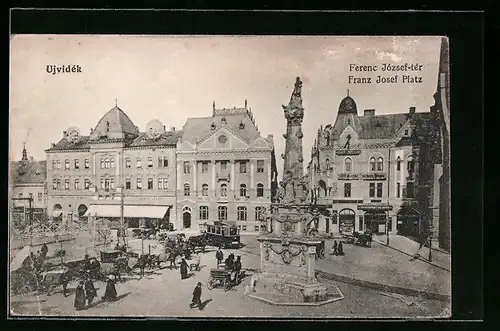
186, 220
375, 221
327, 224
346, 220
408, 223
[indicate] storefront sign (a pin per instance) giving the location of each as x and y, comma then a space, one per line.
375, 176
348, 152
377, 207
348, 176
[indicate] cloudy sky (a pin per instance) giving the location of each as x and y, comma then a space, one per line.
171, 78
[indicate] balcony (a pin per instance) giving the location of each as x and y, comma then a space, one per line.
348, 176
374, 176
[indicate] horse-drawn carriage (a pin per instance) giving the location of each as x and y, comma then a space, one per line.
360, 239
222, 277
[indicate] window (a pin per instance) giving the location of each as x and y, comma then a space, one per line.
66, 184
21, 195
203, 212
347, 190
360, 223
112, 163
348, 164
242, 213
373, 164
165, 161
380, 164
54, 184
58, 164
222, 213
204, 190
112, 183
139, 183
160, 183
106, 184
102, 163
223, 120
398, 189
204, 167
260, 190
256, 228
260, 165
187, 190
244, 227
127, 163
150, 162
87, 183
223, 190
150, 183
411, 164
127, 184
30, 195
107, 126
243, 167
58, 186
398, 164
406, 132
102, 183
160, 161
138, 162
107, 163
54, 165
187, 168
77, 184
379, 190
242, 125
87, 164
409, 190
243, 190
66, 164
327, 164
77, 164
259, 211
223, 165
372, 190
40, 195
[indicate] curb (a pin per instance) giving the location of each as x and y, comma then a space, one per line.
384, 288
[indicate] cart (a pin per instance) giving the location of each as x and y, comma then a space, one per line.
220, 277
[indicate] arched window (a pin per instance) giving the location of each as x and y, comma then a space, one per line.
87, 164
223, 190
222, 213
348, 164
204, 190
411, 164
54, 166
398, 164
127, 163
327, 164
243, 190
260, 190
203, 212
112, 163
380, 164
66, 164
242, 213
259, 211
58, 164
187, 190
106, 163
223, 120
102, 163
373, 164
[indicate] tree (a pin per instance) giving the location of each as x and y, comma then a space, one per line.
103, 230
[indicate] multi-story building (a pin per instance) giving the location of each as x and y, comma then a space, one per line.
28, 186
92, 175
374, 171
225, 170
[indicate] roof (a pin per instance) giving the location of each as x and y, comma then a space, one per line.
65, 144
348, 106
118, 122
382, 126
198, 128
28, 172
167, 138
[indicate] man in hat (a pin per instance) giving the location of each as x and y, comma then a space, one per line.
184, 269
334, 249
110, 293
80, 296
90, 291
237, 268
196, 297
219, 256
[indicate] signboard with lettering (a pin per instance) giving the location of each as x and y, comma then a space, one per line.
375, 176
348, 176
348, 152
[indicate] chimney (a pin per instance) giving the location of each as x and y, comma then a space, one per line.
369, 112
65, 134
412, 110
91, 131
52, 145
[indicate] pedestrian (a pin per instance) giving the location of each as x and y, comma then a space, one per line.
80, 296
110, 293
340, 249
334, 249
219, 256
196, 297
229, 263
44, 250
90, 291
237, 269
184, 269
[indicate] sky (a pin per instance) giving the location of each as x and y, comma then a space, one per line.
171, 78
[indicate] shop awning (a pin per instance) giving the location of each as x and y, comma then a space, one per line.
128, 211
56, 213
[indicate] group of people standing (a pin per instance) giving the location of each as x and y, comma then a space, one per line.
230, 263
86, 292
338, 248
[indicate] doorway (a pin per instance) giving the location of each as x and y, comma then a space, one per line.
346, 220
186, 220
375, 221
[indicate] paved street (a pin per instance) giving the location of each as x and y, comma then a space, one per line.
162, 293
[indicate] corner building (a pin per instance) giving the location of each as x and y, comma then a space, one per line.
88, 176
225, 170
375, 171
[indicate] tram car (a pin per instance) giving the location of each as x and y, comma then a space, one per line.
222, 234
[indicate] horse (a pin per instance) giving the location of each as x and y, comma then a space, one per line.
168, 256
197, 241
121, 265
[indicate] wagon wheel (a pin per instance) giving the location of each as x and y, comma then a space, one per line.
210, 283
227, 284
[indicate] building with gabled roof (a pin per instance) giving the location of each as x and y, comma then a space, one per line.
375, 172
226, 170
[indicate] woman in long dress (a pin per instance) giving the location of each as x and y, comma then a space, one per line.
110, 293
80, 297
184, 269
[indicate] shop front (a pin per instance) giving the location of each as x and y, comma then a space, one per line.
347, 219
408, 222
376, 217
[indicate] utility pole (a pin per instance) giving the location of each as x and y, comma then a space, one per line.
388, 195
122, 221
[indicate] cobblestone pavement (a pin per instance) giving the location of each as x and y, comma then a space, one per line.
163, 294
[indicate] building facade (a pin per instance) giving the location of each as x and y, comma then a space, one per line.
374, 171
116, 170
225, 170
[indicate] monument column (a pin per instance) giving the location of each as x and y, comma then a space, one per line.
311, 264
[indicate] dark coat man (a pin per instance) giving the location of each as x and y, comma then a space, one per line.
196, 301
237, 268
80, 297
184, 269
219, 256
229, 263
110, 293
335, 246
90, 291
340, 248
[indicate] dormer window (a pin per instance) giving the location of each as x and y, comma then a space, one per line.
242, 125
406, 132
223, 120
212, 126
107, 126
348, 121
